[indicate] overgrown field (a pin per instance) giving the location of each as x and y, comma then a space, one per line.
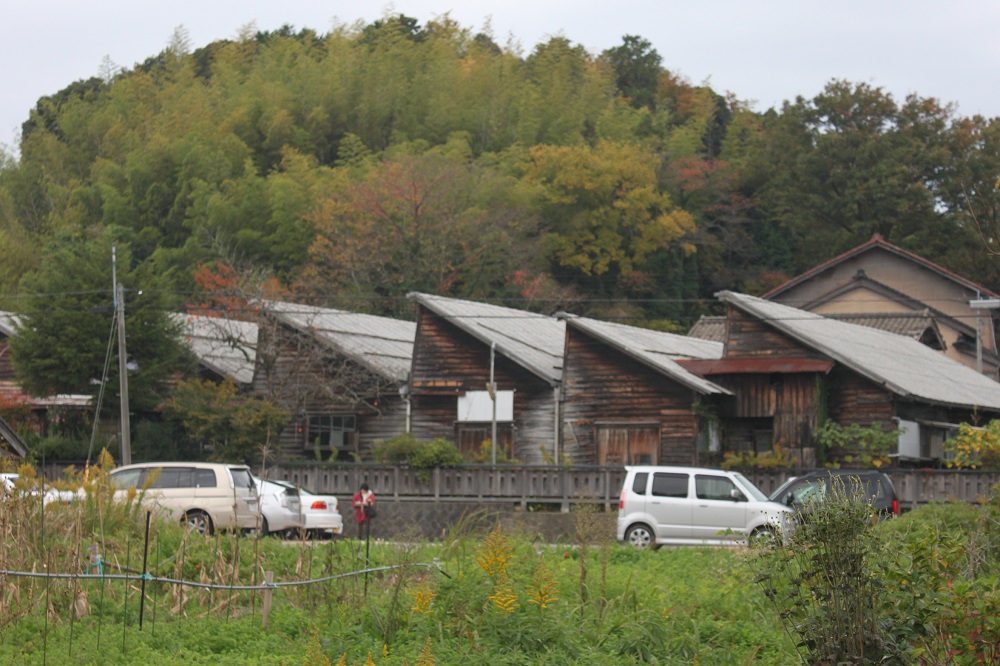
481, 596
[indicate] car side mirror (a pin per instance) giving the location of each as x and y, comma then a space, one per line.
736, 495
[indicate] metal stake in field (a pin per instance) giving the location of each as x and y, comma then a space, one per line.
142, 586
368, 539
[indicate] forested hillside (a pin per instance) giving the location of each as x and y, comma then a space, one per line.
375, 160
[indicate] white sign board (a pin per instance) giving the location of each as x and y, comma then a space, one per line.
477, 406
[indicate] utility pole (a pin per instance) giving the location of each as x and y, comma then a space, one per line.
126, 429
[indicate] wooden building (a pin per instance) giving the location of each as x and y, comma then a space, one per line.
223, 348
788, 369
13, 395
881, 285
340, 374
627, 401
459, 346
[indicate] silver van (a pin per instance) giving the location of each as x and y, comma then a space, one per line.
205, 496
691, 505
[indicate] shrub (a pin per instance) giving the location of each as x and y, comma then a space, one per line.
856, 445
975, 447
423, 456
778, 458
827, 586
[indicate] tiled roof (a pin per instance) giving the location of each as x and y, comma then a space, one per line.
709, 328
916, 325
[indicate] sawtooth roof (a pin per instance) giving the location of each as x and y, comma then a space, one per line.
900, 364
533, 341
228, 347
381, 344
655, 349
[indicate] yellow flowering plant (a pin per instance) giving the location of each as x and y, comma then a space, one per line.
974, 447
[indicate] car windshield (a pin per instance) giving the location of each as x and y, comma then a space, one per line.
781, 490
754, 491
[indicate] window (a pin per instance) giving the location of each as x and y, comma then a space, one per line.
639, 483
330, 431
627, 444
713, 487
175, 477
670, 485
241, 478
127, 479
205, 478
472, 436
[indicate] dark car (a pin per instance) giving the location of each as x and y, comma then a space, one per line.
874, 487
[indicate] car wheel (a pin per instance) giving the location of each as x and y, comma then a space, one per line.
264, 529
199, 521
641, 537
763, 537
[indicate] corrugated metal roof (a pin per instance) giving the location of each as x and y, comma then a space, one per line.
532, 340
709, 328
656, 349
900, 364
382, 344
226, 346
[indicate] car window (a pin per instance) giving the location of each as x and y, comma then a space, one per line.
241, 478
869, 487
813, 490
639, 483
667, 484
174, 477
205, 478
127, 478
713, 487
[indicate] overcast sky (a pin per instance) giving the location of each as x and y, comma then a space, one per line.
760, 50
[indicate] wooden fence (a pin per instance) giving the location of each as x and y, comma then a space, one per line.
527, 485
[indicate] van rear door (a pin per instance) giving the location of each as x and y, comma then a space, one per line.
246, 498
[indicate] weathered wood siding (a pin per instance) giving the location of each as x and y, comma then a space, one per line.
852, 399
750, 337
447, 362
307, 378
604, 386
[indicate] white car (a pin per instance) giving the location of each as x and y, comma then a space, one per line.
204, 496
8, 479
320, 513
280, 507
690, 505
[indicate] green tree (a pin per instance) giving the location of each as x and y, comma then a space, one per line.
852, 162
67, 317
637, 70
604, 217
230, 425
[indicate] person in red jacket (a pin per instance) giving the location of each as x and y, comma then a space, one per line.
364, 509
